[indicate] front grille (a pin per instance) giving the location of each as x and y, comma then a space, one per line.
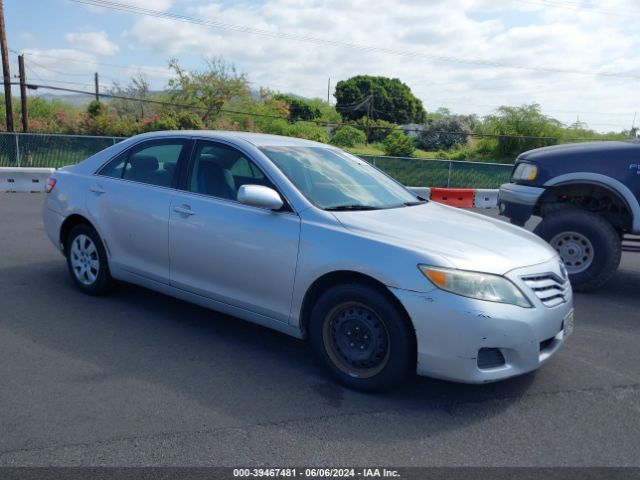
549, 288
490, 358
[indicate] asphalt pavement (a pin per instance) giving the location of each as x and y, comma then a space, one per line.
137, 378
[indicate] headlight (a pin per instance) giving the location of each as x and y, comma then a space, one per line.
482, 286
525, 171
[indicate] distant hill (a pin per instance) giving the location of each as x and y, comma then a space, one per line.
78, 101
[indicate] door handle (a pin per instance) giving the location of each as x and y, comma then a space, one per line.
97, 189
184, 210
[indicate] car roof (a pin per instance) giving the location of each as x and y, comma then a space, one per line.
257, 139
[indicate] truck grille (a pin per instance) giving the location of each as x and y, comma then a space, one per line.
549, 288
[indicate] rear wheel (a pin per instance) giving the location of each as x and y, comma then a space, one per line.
361, 337
87, 261
589, 246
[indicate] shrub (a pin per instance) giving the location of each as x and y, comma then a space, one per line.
443, 134
397, 144
348, 137
308, 132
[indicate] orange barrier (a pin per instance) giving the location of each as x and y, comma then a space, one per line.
456, 197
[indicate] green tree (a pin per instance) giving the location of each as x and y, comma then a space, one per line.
299, 109
209, 89
381, 97
519, 129
138, 88
397, 144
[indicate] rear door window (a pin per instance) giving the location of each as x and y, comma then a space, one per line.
153, 163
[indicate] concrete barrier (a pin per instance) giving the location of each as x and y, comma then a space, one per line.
424, 192
25, 179
485, 198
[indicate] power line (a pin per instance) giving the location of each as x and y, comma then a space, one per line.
319, 123
346, 106
156, 102
324, 41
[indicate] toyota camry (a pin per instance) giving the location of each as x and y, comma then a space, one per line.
314, 242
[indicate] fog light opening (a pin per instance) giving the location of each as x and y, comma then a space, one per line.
490, 358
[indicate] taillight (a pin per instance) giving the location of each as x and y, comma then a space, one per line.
51, 183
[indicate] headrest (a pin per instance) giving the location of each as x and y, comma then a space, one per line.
147, 163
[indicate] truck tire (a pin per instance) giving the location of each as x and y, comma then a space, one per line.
589, 246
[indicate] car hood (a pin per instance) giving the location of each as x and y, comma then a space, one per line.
465, 240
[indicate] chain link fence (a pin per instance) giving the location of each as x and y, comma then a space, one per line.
50, 151
419, 172
55, 151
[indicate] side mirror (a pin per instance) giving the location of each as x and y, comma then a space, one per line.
260, 196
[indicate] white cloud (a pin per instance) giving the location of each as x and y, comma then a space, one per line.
48, 66
424, 35
158, 5
93, 42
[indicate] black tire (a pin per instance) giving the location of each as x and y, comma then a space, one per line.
602, 256
90, 280
371, 362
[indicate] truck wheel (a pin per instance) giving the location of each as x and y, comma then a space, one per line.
588, 245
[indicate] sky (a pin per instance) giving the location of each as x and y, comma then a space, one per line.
578, 59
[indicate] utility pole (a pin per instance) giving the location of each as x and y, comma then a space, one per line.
328, 90
5, 70
369, 114
97, 87
23, 94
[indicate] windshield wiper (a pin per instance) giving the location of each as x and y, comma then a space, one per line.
411, 204
339, 208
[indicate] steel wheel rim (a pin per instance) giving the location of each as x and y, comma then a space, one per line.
575, 249
356, 340
85, 262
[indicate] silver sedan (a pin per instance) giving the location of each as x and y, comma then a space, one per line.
316, 243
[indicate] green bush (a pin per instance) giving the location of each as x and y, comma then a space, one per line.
348, 137
397, 144
308, 131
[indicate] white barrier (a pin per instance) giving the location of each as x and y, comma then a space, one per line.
24, 179
485, 198
424, 192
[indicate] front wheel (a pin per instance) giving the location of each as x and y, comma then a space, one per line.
361, 337
589, 246
87, 261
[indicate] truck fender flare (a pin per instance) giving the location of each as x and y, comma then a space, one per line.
598, 179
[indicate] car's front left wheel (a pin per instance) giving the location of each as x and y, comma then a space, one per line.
362, 337
87, 261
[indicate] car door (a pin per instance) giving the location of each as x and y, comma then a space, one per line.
129, 200
233, 253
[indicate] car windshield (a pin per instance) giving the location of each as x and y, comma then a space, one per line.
334, 180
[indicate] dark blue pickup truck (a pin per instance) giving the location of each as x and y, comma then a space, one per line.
588, 196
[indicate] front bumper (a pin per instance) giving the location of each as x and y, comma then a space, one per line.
516, 202
451, 330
